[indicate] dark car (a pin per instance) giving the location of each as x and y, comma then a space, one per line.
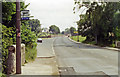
39, 40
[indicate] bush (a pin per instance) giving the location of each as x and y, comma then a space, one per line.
44, 35
29, 39
30, 54
7, 40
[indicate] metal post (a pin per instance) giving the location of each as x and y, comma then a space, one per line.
18, 38
78, 36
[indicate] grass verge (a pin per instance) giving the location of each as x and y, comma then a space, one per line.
83, 40
30, 54
75, 38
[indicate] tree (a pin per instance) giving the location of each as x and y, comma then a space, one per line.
116, 22
63, 32
54, 29
67, 31
9, 31
72, 29
8, 13
35, 25
96, 23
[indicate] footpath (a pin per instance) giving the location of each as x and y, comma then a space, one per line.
109, 48
44, 65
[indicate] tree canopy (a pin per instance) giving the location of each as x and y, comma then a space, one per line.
54, 29
72, 30
9, 30
35, 25
97, 22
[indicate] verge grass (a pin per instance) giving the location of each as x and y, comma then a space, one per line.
30, 54
81, 39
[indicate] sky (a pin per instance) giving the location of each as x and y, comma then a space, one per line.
53, 12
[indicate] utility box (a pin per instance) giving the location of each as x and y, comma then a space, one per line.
11, 62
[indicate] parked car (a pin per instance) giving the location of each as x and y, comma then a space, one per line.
39, 40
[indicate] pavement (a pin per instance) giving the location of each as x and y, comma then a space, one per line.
44, 64
84, 59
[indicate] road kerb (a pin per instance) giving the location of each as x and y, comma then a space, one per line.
108, 48
74, 41
55, 55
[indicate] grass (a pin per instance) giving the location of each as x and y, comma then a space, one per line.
81, 39
92, 42
30, 54
0, 73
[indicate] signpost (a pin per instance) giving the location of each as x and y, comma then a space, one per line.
18, 38
25, 18
24, 15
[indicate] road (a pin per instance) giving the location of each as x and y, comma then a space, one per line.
44, 49
85, 59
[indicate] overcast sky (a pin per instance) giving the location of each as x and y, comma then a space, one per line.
54, 12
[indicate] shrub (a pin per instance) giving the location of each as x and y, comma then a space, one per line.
7, 40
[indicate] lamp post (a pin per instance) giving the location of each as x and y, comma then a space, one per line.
18, 38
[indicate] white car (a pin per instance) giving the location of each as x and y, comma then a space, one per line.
39, 40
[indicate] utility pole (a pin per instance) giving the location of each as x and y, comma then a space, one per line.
18, 38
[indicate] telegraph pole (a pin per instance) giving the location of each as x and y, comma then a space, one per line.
18, 38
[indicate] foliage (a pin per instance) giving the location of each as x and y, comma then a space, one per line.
81, 39
35, 25
7, 40
63, 32
8, 12
30, 54
9, 32
97, 22
67, 31
28, 37
72, 29
116, 29
43, 34
54, 29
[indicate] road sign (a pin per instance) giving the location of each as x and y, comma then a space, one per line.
25, 13
25, 18
75, 31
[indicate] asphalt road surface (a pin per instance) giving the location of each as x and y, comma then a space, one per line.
85, 59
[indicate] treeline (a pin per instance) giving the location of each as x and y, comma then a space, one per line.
101, 22
71, 30
29, 30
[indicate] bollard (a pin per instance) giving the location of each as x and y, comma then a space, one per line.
117, 44
11, 60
